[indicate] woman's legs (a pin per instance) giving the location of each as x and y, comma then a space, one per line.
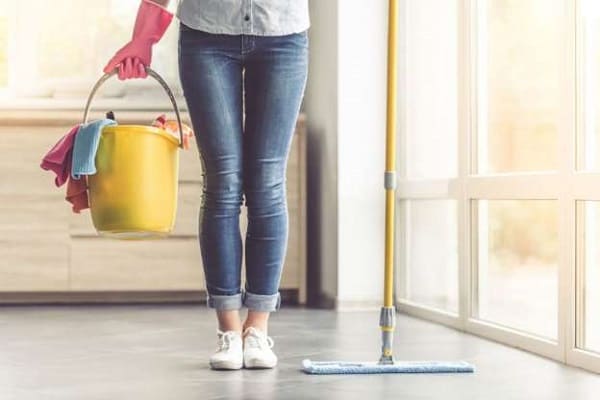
250, 159
258, 319
229, 320
211, 78
274, 82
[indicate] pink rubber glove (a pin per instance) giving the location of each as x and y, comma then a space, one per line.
150, 25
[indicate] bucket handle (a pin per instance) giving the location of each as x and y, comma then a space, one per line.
151, 73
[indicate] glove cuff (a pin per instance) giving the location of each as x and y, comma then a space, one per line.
151, 22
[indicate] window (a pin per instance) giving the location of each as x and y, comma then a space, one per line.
589, 138
588, 283
47, 53
499, 171
517, 274
3, 46
429, 94
518, 89
430, 87
431, 254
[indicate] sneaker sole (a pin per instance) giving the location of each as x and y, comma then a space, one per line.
226, 365
257, 364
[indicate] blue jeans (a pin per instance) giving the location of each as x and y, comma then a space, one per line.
243, 94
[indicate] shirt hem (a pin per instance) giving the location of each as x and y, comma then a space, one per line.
226, 31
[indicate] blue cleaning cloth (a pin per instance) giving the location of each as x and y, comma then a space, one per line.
345, 367
85, 147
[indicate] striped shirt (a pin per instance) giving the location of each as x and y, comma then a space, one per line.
250, 17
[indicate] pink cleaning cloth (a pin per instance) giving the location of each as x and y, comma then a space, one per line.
59, 156
77, 193
59, 160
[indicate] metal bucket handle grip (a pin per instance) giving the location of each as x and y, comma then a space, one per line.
151, 73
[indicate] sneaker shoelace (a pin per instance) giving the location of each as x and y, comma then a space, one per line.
255, 339
225, 339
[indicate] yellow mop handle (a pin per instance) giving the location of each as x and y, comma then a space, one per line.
390, 156
387, 315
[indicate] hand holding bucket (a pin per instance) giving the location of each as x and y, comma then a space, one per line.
131, 60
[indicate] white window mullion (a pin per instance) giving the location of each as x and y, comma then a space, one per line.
566, 204
467, 117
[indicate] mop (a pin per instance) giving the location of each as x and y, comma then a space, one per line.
386, 363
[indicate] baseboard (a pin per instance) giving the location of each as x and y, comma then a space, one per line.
288, 297
358, 305
327, 301
323, 300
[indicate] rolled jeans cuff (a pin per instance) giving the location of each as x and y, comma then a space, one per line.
261, 302
224, 301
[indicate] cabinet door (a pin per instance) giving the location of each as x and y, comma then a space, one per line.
34, 237
171, 263
108, 264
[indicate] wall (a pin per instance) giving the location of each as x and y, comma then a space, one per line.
345, 106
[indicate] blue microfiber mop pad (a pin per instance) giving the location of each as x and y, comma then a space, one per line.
345, 367
85, 147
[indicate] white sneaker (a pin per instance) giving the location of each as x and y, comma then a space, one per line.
257, 349
229, 354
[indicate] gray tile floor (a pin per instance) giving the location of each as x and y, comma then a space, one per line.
161, 351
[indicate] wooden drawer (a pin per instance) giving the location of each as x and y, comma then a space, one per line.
108, 264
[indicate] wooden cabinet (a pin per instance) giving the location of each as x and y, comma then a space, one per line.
47, 252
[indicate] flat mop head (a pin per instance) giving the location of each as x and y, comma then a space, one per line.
410, 367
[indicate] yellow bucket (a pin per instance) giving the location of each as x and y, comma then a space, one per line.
133, 194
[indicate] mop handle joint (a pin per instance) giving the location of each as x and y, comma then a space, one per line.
387, 323
389, 180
